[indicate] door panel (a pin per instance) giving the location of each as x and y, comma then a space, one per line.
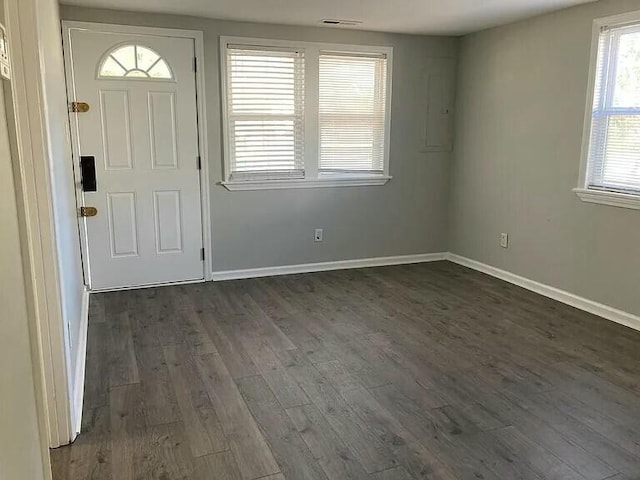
168, 219
162, 118
123, 225
142, 129
116, 129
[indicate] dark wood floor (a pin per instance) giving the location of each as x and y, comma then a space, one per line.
416, 372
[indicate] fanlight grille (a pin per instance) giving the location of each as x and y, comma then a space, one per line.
135, 61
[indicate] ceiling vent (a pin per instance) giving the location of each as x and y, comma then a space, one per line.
330, 21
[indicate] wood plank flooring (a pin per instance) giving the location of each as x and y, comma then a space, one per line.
428, 371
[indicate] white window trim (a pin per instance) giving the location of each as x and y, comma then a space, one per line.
311, 130
604, 197
593, 195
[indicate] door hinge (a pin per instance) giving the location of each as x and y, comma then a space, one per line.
199, 162
195, 64
79, 107
202, 254
88, 211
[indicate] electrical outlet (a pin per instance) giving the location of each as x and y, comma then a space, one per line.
504, 240
318, 235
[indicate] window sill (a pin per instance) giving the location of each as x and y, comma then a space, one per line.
613, 199
360, 181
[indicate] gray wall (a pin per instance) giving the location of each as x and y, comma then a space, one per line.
267, 228
21, 440
521, 101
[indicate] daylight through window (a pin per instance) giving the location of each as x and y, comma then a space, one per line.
135, 61
614, 150
305, 114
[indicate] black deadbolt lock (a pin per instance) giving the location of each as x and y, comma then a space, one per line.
88, 173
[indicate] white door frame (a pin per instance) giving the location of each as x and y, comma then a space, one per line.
197, 36
46, 323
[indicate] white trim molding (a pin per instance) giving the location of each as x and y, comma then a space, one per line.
342, 181
81, 361
613, 199
604, 311
43, 283
581, 303
327, 266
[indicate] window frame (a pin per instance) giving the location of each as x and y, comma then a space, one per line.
311, 159
583, 190
148, 78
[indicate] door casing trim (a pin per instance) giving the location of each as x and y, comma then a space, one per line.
46, 324
205, 188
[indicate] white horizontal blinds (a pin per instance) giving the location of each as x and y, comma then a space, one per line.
352, 103
614, 154
265, 108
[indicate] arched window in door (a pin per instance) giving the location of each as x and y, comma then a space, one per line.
134, 61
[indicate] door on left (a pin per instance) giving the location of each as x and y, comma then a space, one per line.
141, 131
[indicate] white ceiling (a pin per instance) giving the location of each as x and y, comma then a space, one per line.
452, 17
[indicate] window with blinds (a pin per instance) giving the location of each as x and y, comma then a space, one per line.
305, 114
352, 112
265, 112
614, 149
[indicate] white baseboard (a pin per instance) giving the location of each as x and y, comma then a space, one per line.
81, 362
326, 266
605, 311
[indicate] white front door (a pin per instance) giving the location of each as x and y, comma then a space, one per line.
141, 129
